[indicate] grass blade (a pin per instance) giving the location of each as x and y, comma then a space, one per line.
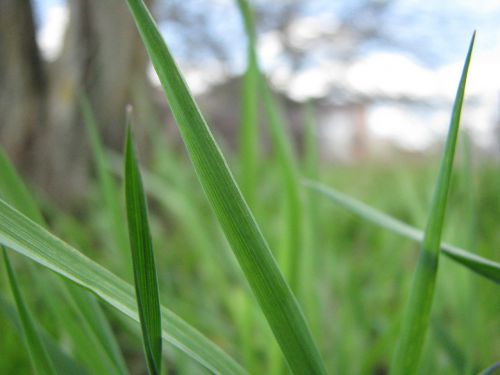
63, 363
14, 191
40, 359
146, 283
249, 110
449, 345
273, 294
311, 214
473, 262
249, 146
289, 253
107, 186
290, 184
416, 318
92, 320
22, 235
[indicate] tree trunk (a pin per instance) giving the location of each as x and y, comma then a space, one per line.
103, 58
23, 85
42, 126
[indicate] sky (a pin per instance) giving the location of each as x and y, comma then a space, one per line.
440, 31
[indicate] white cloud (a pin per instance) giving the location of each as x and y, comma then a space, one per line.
308, 83
391, 74
269, 48
413, 130
305, 29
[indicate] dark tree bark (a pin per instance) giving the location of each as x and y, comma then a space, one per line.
23, 86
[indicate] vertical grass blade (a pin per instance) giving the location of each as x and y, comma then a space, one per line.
249, 145
290, 184
416, 318
249, 105
469, 285
311, 213
107, 186
249, 246
141, 246
481, 266
255, 80
42, 365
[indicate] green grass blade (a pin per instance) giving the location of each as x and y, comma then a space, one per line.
14, 191
249, 110
63, 363
40, 359
416, 317
311, 235
290, 259
107, 186
146, 283
273, 294
473, 262
173, 200
255, 80
83, 319
290, 183
249, 146
22, 235
93, 321
449, 345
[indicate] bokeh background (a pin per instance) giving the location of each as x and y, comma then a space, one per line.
382, 74
380, 77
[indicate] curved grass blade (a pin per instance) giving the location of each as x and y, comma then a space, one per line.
475, 263
254, 256
40, 359
92, 319
146, 283
417, 312
491, 370
22, 235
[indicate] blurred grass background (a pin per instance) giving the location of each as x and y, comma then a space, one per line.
360, 272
